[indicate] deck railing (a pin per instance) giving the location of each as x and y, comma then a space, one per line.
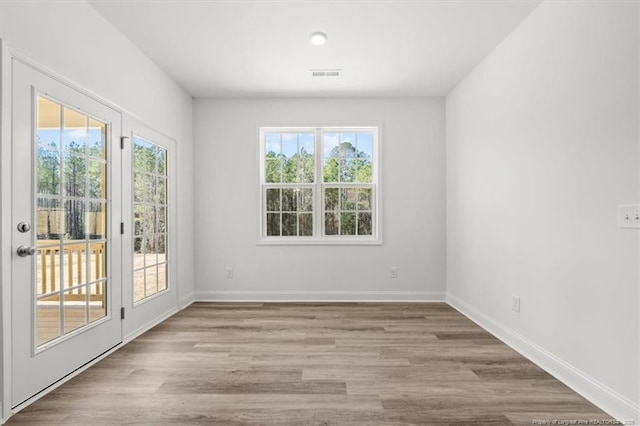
74, 260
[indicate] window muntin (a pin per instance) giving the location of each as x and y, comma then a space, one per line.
319, 184
289, 211
348, 211
348, 156
289, 157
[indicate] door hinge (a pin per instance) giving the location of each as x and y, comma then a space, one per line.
122, 139
122, 228
122, 313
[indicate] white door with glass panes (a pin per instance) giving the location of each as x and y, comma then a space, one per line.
66, 204
149, 244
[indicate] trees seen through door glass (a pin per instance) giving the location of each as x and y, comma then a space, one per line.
71, 220
150, 240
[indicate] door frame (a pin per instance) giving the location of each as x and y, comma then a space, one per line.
5, 227
7, 55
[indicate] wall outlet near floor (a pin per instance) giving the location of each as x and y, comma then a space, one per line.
394, 272
229, 271
629, 216
515, 303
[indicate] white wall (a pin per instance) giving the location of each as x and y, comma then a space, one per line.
74, 41
542, 146
227, 209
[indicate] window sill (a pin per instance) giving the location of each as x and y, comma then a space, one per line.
318, 242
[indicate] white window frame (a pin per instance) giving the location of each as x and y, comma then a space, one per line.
318, 237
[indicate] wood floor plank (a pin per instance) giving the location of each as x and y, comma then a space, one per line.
201, 386
373, 364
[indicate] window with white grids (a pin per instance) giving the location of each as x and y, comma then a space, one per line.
319, 185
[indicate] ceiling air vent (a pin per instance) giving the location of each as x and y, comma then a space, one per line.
326, 73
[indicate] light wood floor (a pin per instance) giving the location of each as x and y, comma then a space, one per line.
312, 364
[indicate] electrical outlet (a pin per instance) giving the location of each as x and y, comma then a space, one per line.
394, 272
515, 303
229, 272
629, 216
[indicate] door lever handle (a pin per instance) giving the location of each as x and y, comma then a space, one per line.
24, 251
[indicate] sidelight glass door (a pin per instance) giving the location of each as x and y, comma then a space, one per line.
149, 247
149, 219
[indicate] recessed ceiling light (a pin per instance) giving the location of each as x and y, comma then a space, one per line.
318, 38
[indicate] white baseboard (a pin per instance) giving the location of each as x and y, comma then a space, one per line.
186, 300
148, 326
599, 394
318, 296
